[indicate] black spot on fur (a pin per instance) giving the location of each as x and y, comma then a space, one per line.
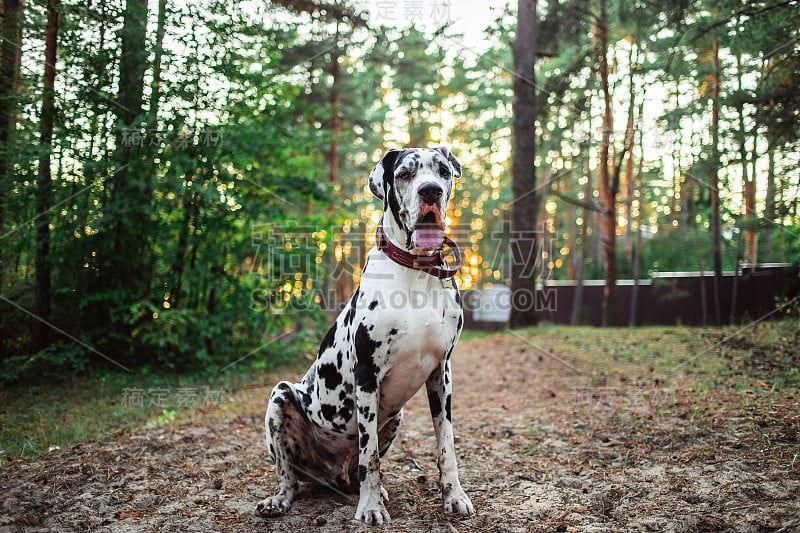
305, 399
435, 404
364, 436
330, 375
366, 371
339, 359
328, 340
460, 322
328, 412
346, 411
394, 205
447, 410
349, 316
392, 332
373, 304
362, 473
390, 163
351, 313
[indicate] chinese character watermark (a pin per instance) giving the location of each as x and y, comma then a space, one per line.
154, 138
169, 398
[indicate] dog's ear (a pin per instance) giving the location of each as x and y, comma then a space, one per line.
445, 151
382, 176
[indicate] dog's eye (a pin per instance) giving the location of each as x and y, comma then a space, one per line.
444, 171
402, 174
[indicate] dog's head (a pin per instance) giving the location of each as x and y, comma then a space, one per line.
415, 186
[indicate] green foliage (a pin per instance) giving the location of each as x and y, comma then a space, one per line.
156, 236
208, 169
62, 358
166, 417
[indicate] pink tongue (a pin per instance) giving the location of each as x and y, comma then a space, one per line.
428, 239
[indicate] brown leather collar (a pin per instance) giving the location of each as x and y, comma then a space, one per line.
430, 264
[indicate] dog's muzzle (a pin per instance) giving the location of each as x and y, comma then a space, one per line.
428, 234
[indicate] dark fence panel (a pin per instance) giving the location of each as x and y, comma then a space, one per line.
667, 298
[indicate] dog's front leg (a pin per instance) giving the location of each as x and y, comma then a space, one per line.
439, 386
371, 509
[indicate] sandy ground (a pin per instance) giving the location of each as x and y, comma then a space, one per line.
543, 446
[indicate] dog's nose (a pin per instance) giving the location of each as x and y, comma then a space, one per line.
430, 193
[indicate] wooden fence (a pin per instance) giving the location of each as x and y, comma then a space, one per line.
666, 298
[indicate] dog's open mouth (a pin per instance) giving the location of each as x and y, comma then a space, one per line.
428, 233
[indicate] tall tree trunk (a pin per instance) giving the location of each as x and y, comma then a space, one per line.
636, 258
769, 202
124, 276
98, 132
686, 202
637, 273
735, 289
630, 130
10, 56
584, 248
523, 171
577, 296
189, 213
748, 180
716, 236
566, 215
44, 188
129, 191
755, 230
701, 267
606, 189
158, 53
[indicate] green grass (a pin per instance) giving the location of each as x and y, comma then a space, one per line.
36, 418
472, 334
759, 358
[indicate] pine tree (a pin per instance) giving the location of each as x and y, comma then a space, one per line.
41, 334
523, 170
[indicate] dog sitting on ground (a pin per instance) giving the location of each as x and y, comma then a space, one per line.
397, 332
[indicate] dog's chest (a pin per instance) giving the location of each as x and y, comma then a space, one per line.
398, 328
412, 359
419, 318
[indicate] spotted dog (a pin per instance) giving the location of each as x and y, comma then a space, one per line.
396, 333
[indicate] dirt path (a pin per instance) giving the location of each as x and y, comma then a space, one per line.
543, 444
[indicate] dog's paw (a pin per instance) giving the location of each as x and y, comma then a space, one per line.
458, 502
373, 516
371, 509
273, 506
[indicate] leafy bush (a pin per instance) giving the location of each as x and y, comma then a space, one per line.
60, 359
